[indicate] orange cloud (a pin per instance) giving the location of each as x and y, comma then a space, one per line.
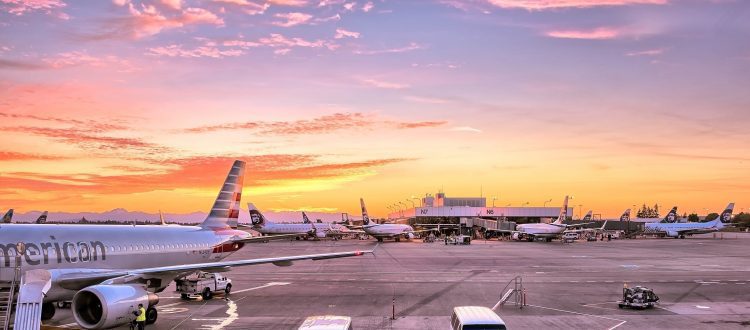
546, 4
9, 155
421, 124
595, 34
148, 21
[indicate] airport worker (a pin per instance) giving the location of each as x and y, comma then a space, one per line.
140, 318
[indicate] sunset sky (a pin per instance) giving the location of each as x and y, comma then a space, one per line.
143, 105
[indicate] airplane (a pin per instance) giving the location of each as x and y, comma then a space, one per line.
588, 216
42, 218
106, 271
265, 227
8, 216
680, 230
386, 230
305, 219
548, 231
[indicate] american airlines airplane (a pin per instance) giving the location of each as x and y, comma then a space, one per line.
386, 230
107, 270
548, 231
679, 230
265, 227
8, 217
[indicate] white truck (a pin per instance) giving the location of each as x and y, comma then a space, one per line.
204, 284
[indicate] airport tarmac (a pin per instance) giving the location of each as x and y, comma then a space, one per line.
703, 282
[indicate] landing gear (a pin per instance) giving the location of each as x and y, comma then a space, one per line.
48, 311
682, 236
397, 239
228, 289
151, 315
207, 294
380, 239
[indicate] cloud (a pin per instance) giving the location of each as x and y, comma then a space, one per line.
595, 34
558, 4
368, 6
16, 156
290, 3
174, 4
336, 17
341, 33
21, 7
650, 52
349, 6
21, 65
261, 171
412, 46
319, 125
421, 124
427, 100
465, 129
250, 8
148, 21
291, 19
383, 84
76, 58
89, 139
202, 51
280, 41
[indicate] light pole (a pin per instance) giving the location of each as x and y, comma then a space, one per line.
391, 209
402, 210
417, 198
412, 202
547, 201
493, 201
579, 211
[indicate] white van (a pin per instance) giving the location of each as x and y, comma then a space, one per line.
327, 322
475, 318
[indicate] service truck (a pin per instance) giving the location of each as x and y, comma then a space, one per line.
203, 284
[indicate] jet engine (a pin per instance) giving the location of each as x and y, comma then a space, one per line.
516, 236
320, 234
106, 306
672, 233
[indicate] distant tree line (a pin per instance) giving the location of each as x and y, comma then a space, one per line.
648, 212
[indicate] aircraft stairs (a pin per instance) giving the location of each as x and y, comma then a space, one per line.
517, 292
8, 295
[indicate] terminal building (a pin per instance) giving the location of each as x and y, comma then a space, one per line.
450, 210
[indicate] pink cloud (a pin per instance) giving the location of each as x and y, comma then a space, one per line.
202, 51
412, 46
350, 6
368, 6
282, 51
280, 41
250, 8
20, 7
76, 58
148, 21
384, 84
547, 4
595, 34
649, 52
291, 3
291, 19
341, 33
174, 4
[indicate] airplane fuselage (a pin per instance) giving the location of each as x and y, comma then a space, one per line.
540, 230
677, 229
78, 248
387, 230
284, 228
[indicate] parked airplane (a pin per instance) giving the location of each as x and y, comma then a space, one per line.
42, 218
8, 216
588, 216
305, 219
386, 230
108, 270
548, 231
265, 227
680, 230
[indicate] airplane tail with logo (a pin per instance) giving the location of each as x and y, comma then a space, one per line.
563, 212
8, 216
588, 216
256, 218
725, 217
42, 218
671, 216
226, 208
365, 217
305, 219
625, 215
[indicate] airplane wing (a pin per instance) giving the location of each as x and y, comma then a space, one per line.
264, 239
77, 281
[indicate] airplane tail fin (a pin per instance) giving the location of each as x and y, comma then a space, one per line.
8, 216
226, 208
563, 212
726, 216
671, 216
305, 219
588, 216
365, 217
161, 218
625, 215
42, 218
256, 218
